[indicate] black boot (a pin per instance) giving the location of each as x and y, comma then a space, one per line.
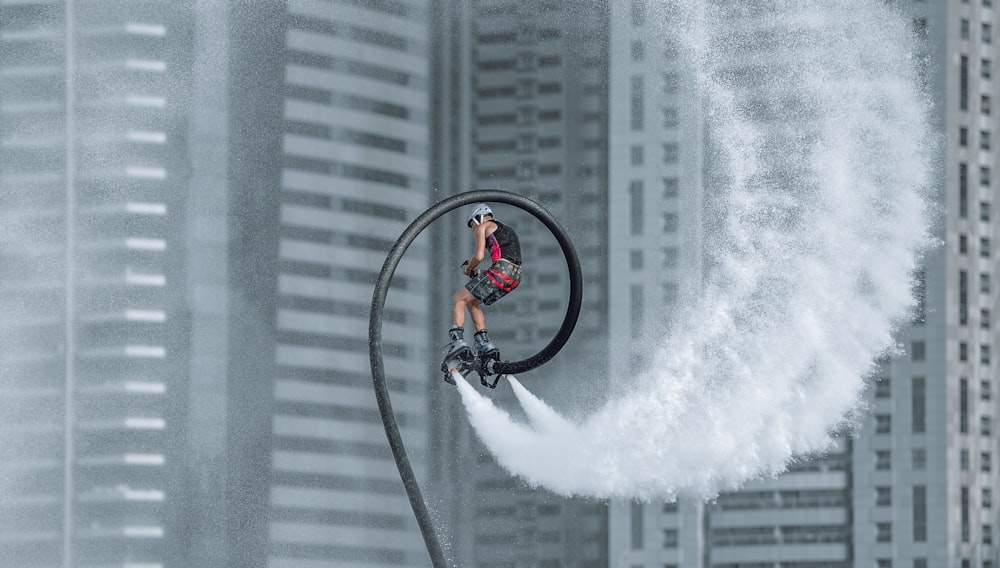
457, 342
483, 344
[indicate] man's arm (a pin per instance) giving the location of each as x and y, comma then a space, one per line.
480, 249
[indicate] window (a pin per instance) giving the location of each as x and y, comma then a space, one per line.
636, 527
963, 459
636, 154
984, 247
637, 102
963, 405
963, 190
984, 353
883, 563
883, 423
670, 83
670, 538
963, 82
670, 118
883, 387
963, 28
984, 389
670, 223
635, 260
917, 351
963, 297
963, 351
883, 532
985, 426
919, 563
635, 196
984, 211
670, 153
638, 309
638, 50
986, 69
984, 140
883, 496
638, 12
965, 515
963, 244
985, 462
919, 459
987, 498
919, 513
984, 176
987, 33
963, 136
670, 292
984, 283
671, 187
918, 398
984, 104
984, 318
883, 459
670, 255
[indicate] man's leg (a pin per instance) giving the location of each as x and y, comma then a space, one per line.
462, 299
476, 311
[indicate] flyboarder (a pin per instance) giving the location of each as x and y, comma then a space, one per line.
483, 287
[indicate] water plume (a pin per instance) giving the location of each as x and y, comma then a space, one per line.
821, 159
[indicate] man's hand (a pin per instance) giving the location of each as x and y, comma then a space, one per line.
469, 266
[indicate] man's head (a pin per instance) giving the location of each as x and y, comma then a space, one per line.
479, 215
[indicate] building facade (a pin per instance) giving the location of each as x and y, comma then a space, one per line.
91, 174
523, 97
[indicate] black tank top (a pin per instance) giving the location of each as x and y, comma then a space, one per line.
503, 243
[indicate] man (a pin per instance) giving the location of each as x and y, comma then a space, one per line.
486, 287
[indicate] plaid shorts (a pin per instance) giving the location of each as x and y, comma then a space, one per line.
495, 282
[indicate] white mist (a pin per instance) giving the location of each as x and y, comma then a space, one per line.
817, 232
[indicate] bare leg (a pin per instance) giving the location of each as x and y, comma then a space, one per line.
462, 299
478, 317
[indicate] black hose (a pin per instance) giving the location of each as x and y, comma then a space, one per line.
502, 367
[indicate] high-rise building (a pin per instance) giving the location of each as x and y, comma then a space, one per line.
915, 487
93, 352
197, 199
328, 159
655, 215
923, 472
355, 146
522, 100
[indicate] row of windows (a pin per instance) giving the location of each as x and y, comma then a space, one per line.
986, 31
352, 171
963, 84
354, 33
345, 135
525, 174
525, 88
768, 536
525, 34
527, 142
985, 138
526, 116
524, 63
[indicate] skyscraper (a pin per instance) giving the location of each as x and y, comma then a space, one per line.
915, 487
523, 98
91, 174
328, 160
923, 471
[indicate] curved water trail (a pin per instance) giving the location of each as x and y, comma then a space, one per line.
818, 210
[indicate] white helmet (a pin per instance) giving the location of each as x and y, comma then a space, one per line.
478, 213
